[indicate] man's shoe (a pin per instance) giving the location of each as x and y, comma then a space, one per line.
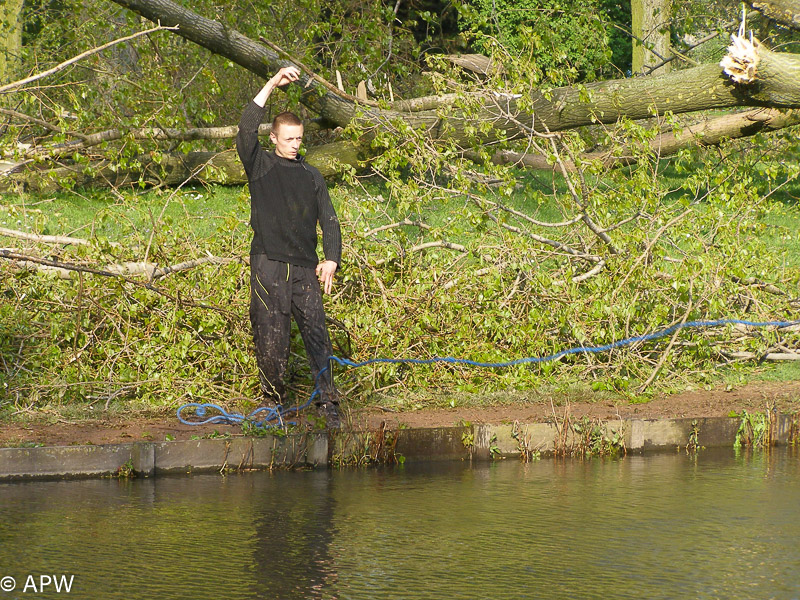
331, 413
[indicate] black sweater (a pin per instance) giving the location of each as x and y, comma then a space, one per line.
287, 199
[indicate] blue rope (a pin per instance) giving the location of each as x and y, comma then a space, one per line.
275, 416
271, 414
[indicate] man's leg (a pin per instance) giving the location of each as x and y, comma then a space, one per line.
309, 314
270, 317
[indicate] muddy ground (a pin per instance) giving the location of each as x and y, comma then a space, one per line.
753, 397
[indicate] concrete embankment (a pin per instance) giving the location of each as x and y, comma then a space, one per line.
320, 449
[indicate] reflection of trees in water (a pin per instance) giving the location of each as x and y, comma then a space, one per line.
293, 530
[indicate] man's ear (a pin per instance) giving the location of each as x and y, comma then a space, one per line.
272, 138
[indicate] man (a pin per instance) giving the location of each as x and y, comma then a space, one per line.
287, 200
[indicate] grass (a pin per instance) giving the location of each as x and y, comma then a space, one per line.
90, 214
779, 372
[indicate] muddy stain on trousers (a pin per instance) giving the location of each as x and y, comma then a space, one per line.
278, 292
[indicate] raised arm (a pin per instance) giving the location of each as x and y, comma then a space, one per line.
247, 139
283, 77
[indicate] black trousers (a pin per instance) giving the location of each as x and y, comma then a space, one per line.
278, 292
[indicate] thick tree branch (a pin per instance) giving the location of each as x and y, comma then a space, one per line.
123, 270
43, 239
785, 12
708, 132
171, 169
144, 133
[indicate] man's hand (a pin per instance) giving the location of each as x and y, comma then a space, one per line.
282, 77
325, 271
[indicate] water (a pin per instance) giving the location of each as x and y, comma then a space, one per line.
665, 526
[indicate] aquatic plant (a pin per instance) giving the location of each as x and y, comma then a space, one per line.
523, 439
692, 445
359, 449
755, 430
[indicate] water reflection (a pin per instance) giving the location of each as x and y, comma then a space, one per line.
714, 525
293, 530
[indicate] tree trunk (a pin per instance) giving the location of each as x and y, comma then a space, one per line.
785, 12
650, 26
10, 39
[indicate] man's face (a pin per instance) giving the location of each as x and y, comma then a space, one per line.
287, 140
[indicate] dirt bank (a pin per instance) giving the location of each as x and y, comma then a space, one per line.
754, 397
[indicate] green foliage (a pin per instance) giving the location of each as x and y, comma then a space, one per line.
618, 15
594, 438
94, 339
566, 40
125, 470
754, 431
109, 340
445, 255
693, 444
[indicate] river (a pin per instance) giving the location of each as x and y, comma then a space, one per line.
716, 524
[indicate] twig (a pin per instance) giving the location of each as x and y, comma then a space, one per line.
71, 267
590, 273
425, 246
44, 239
666, 352
40, 123
326, 84
409, 222
74, 59
391, 40
773, 356
538, 238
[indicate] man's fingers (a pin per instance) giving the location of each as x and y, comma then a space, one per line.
325, 273
292, 73
326, 278
286, 75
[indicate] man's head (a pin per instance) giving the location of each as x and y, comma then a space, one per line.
286, 134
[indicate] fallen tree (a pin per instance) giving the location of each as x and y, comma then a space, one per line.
706, 132
752, 76
701, 88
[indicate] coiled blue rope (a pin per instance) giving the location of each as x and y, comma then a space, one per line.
274, 417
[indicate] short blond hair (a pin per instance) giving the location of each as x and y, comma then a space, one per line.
285, 118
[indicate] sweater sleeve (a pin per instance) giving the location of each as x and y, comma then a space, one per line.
329, 222
247, 144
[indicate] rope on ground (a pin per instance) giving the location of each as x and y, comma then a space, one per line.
275, 417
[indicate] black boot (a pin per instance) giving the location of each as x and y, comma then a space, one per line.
330, 410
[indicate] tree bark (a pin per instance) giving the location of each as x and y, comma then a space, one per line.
785, 12
650, 26
146, 133
10, 39
775, 83
709, 132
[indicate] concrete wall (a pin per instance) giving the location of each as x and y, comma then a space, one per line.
477, 442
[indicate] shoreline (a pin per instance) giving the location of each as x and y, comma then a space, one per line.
342, 448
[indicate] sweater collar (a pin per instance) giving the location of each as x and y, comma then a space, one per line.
289, 162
